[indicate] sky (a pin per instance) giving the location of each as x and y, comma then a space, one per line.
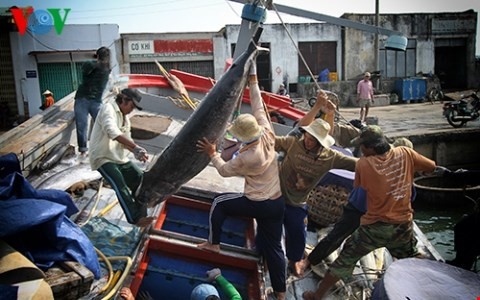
211, 15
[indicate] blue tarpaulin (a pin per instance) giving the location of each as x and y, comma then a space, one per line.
36, 223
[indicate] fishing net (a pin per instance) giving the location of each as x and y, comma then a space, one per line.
325, 204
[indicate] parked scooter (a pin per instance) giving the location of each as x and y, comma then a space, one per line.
458, 113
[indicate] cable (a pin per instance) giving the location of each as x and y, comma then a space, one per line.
304, 61
112, 276
109, 268
120, 281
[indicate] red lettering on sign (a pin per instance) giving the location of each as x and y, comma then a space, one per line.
203, 46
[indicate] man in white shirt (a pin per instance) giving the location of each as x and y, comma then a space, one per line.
111, 141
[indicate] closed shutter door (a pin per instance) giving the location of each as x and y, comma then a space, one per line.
56, 77
202, 68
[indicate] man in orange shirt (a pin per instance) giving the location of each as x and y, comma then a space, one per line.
384, 176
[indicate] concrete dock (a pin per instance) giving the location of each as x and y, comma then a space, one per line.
425, 125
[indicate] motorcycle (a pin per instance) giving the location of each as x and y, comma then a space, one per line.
458, 113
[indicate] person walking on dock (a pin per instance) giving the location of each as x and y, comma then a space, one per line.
365, 96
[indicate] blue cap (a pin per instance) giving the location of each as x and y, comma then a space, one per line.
202, 291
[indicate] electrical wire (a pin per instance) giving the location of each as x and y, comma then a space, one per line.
32, 35
120, 281
109, 268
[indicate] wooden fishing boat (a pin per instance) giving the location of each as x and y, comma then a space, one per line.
172, 264
160, 259
36, 138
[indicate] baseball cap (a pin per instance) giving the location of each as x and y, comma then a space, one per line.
134, 95
202, 291
371, 135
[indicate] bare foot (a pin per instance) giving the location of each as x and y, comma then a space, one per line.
280, 296
299, 267
126, 294
145, 221
209, 247
309, 295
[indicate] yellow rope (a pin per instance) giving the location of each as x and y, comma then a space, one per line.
185, 98
120, 281
109, 268
107, 208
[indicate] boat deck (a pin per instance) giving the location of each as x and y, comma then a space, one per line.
100, 208
164, 241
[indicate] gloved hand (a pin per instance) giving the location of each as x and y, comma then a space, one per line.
253, 69
440, 171
140, 153
213, 274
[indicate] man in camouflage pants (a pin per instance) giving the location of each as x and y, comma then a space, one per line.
384, 177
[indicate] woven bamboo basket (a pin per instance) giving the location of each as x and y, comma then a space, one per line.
325, 204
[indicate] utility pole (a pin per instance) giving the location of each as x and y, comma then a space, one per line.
377, 58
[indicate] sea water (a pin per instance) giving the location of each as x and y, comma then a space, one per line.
437, 224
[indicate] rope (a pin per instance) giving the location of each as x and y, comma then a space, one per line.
272, 5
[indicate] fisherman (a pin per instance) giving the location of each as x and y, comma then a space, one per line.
112, 140
203, 291
308, 157
88, 97
48, 101
384, 177
348, 223
262, 198
282, 90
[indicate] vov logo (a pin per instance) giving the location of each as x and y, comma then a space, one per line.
39, 21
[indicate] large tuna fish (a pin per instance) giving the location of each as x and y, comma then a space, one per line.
180, 161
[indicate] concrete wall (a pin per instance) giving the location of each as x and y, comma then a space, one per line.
425, 59
284, 59
453, 150
77, 42
426, 28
